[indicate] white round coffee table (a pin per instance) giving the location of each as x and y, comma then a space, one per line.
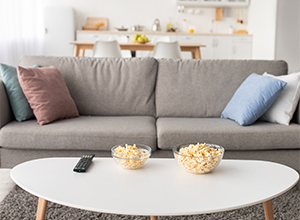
160, 188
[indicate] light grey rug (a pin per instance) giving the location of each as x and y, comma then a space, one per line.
19, 204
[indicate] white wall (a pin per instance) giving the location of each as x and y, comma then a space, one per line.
288, 33
144, 12
262, 24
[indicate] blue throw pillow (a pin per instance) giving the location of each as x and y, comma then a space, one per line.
253, 98
17, 99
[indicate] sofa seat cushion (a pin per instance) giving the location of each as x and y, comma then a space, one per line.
82, 133
227, 133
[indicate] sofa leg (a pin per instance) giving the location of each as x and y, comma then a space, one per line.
153, 217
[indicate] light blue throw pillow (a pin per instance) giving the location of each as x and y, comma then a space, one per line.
17, 99
253, 98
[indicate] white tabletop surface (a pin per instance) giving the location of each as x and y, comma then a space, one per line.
160, 188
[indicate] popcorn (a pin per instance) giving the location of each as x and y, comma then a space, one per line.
199, 158
136, 157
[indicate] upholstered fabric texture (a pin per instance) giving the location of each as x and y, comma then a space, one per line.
17, 99
80, 133
118, 94
202, 88
227, 133
106, 86
47, 94
6, 115
253, 98
283, 109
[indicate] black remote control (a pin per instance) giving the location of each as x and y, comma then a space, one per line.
84, 163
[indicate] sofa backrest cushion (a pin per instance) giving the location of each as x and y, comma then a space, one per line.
202, 88
106, 86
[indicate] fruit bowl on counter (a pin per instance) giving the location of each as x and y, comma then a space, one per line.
140, 39
140, 42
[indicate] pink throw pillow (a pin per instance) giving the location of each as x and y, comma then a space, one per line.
47, 94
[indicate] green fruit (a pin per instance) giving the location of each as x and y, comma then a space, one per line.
136, 36
139, 37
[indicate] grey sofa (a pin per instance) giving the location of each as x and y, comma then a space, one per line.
155, 102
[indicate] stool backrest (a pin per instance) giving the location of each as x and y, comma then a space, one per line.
107, 49
167, 50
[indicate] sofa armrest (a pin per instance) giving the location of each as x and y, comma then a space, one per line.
6, 114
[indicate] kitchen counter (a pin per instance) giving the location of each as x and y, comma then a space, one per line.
157, 33
81, 46
218, 45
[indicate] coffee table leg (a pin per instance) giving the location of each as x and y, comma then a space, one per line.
153, 217
41, 209
268, 207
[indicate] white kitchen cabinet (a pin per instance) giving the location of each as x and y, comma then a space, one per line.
226, 47
207, 52
216, 47
90, 36
161, 37
242, 47
222, 47
214, 3
219, 47
188, 39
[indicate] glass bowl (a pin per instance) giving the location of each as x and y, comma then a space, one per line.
185, 156
131, 156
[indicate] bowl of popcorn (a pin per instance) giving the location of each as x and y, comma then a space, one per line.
198, 158
131, 156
